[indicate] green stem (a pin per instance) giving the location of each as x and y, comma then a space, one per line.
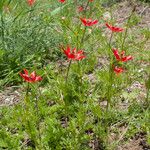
66, 26
122, 47
26, 115
2, 29
109, 90
147, 95
82, 39
38, 122
26, 100
80, 77
110, 87
27, 95
87, 4
127, 27
81, 43
111, 36
38, 116
27, 92
148, 90
68, 70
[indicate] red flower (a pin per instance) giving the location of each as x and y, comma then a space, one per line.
91, 0
114, 29
88, 22
121, 57
74, 55
30, 78
118, 70
30, 2
62, 1
80, 8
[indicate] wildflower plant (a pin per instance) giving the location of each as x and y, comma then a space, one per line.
78, 95
28, 108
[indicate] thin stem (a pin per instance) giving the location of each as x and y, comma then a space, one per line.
38, 122
127, 27
78, 35
148, 90
86, 7
110, 87
80, 77
27, 91
38, 117
110, 75
80, 27
147, 95
68, 70
110, 40
26, 95
66, 25
2, 29
122, 47
26, 117
82, 39
81, 42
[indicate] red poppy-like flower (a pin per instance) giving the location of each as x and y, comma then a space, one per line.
30, 2
91, 0
118, 70
73, 54
62, 1
121, 57
80, 8
30, 78
88, 22
114, 29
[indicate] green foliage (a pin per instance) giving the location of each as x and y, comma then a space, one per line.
78, 104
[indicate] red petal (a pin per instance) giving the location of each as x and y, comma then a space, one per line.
62, 1
31, 2
127, 58
118, 70
94, 22
71, 56
25, 77
33, 75
80, 9
84, 21
80, 52
80, 57
122, 53
74, 50
114, 29
22, 75
116, 54
38, 78
68, 49
25, 71
108, 26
